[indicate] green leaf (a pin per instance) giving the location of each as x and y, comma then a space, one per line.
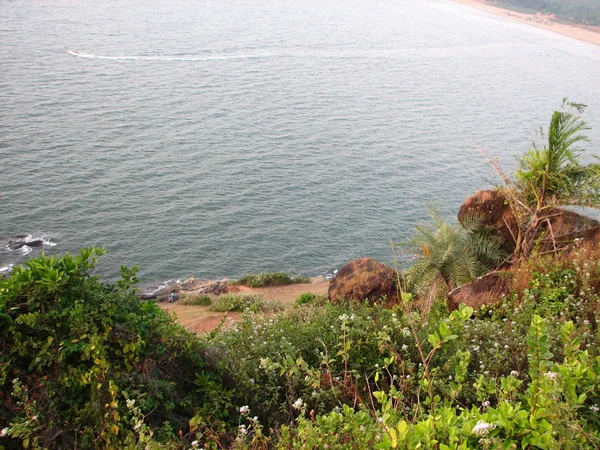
433, 339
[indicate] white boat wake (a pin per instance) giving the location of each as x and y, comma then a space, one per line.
167, 58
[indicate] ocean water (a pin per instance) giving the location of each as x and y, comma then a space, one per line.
212, 139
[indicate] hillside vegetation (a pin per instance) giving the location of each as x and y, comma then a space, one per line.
87, 365
584, 12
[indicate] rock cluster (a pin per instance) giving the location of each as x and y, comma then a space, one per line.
191, 285
559, 229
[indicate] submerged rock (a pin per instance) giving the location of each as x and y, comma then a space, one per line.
364, 279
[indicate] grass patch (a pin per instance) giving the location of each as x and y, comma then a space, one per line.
243, 302
310, 298
192, 299
271, 279
306, 298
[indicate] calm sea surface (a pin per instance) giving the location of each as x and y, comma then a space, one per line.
216, 138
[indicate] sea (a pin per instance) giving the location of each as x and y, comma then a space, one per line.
218, 138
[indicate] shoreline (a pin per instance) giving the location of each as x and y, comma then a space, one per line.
544, 21
201, 319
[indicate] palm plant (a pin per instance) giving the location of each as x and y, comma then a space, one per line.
449, 255
553, 175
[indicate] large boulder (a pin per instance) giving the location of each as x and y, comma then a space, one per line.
559, 228
495, 212
364, 279
486, 290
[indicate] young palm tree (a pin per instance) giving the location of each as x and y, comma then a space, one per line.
553, 175
451, 254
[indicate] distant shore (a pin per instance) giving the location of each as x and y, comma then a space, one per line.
547, 22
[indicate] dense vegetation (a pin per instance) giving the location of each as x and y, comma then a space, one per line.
585, 12
87, 365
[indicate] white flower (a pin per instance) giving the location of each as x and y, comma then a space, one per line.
514, 373
242, 429
482, 428
405, 331
551, 375
137, 426
244, 410
343, 317
404, 347
130, 403
594, 408
195, 443
4, 432
298, 404
264, 362
486, 404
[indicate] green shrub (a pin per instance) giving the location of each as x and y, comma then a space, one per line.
271, 279
306, 298
88, 365
196, 299
553, 406
241, 302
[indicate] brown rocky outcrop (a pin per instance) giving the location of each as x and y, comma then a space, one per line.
495, 212
486, 290
191, 285
556, 229
364, 279
560, 227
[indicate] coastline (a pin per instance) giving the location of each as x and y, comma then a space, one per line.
539, 20
201, 319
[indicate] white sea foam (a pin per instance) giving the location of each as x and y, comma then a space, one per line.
25, 250
19, 243
6, 269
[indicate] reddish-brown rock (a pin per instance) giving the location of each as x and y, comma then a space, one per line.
592, 236
364, 279
495, 212
486, 290
560, 227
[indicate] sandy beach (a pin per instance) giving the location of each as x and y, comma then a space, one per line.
547, 22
